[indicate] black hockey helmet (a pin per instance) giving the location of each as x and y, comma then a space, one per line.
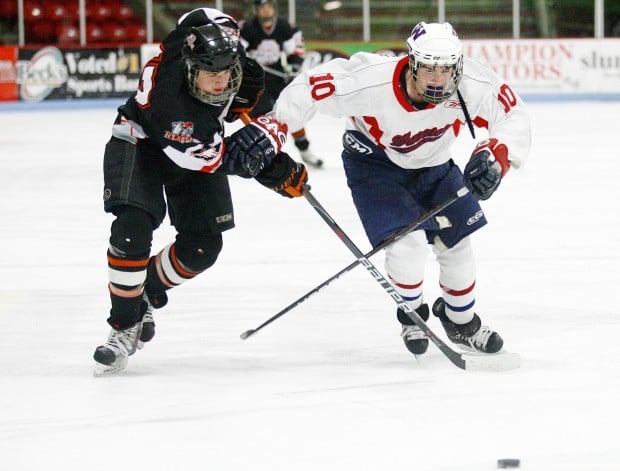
262, 2
212, 48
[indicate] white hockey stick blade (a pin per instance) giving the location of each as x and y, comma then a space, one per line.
502, 361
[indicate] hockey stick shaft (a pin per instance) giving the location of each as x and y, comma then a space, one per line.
388, 241
453, 356
277, 73
245, 118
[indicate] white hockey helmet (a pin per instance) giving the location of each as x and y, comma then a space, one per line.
436, 44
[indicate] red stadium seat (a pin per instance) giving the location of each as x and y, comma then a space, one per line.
40, 32
98, 12
136, 33
114, 32
73, 8
94, 33
55, 11
67, 34
33, 11
122, 12
8, 9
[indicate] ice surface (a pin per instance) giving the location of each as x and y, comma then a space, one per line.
329, 386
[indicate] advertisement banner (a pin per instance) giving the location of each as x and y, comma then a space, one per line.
8, 73
553, 66
53, 73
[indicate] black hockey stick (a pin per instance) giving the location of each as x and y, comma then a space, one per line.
502, 361
393, 238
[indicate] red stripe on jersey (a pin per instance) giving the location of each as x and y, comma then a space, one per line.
398, 92
374, 130
462, 292
456, 127
481, 122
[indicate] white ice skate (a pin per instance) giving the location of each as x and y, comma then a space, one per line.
308, 157
111, 357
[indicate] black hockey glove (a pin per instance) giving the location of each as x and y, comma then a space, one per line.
284, 176
254, 147
252, 88
486, 167
294, 62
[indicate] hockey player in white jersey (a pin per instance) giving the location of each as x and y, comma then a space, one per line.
402, 116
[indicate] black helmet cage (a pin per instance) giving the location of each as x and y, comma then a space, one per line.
214, 49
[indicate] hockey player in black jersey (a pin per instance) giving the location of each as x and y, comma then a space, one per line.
168, 152
279, 48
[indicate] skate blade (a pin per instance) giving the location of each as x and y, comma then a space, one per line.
315, 163
107, 370
501, 361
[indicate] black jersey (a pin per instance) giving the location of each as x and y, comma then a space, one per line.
163, 114
268, 46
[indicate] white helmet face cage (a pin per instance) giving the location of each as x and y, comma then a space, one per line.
435, 44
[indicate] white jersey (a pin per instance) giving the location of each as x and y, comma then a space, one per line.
366, 90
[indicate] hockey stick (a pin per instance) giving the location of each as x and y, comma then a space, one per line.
277, 73
393, 238
498, 362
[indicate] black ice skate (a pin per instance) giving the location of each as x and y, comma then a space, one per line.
415, 340
472, 336
152, 301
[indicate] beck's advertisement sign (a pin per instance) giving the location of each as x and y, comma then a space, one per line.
52, 73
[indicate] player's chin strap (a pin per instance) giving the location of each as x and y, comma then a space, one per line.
470, 124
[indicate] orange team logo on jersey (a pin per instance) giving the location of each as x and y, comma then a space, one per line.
181, 132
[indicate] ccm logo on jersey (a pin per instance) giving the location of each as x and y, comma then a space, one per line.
181, 131
355, 145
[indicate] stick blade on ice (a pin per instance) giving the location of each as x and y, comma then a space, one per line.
502, 361
246, 334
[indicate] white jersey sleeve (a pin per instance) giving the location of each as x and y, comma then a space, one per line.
494, 105
334, 89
